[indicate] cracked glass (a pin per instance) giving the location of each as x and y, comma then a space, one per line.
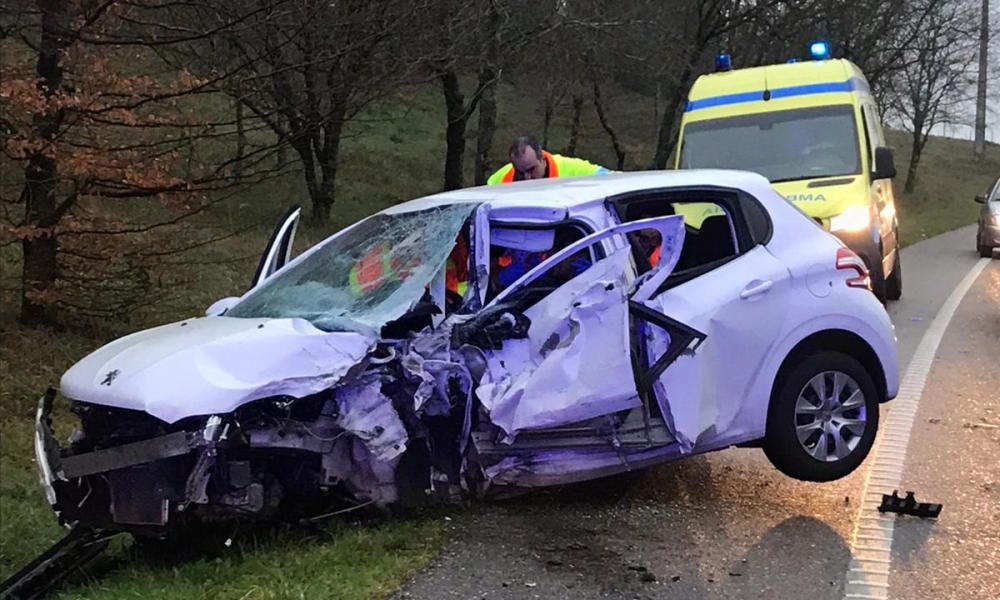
365, 276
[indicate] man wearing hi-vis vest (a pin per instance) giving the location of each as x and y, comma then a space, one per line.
529, 161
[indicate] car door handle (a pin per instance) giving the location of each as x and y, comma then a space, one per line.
756, 288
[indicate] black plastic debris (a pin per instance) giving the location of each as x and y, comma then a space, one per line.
908, 506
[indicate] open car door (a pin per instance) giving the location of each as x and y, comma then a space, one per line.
279, 248
582, 377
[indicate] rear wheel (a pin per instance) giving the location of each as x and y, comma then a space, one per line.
894, 284
823, 418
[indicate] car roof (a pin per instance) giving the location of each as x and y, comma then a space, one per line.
577, 192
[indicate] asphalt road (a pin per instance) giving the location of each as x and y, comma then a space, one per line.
728, 525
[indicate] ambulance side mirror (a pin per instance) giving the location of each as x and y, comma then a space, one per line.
885, 166
980, 199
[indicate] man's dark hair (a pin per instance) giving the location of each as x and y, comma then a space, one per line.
522, 143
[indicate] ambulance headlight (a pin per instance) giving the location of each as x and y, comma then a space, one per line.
855, 218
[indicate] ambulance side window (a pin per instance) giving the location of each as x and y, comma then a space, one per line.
873, 133
869, 150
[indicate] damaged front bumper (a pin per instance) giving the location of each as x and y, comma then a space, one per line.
126, 486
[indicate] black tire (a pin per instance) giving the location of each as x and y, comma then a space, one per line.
985, 251
877, 276
894, 284
781, 443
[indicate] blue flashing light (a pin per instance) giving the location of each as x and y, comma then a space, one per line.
792, 61
723, 62
819, 50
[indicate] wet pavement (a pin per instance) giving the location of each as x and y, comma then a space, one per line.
954, 459
728, 525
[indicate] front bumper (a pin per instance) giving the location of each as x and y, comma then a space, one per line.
128, 485
47, 458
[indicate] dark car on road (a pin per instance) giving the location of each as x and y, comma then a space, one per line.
988, 236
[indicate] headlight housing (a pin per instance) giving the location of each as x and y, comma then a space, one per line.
855, 218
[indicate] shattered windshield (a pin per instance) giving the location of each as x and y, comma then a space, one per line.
364, 277
784, 145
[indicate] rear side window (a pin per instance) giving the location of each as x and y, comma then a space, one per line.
710, 231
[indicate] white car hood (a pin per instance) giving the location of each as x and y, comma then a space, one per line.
213, 365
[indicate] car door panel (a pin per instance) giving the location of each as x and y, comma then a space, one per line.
577, 362
738, 308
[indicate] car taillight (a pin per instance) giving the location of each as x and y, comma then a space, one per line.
851, 261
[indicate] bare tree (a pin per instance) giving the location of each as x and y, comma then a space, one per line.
304, 68
111, 180
929, 88
689, 28
979, 145
478, 38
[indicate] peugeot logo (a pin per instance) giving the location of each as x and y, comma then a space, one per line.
111, 376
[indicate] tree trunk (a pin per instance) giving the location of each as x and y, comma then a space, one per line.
984, 40
487, 130
304, 148
40, 268
454, 158
667, 139
329, 161
916, 149
574, 128
241, 139
548, 112
489, 79
615, 142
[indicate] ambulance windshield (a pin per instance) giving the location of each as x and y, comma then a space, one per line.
786, 145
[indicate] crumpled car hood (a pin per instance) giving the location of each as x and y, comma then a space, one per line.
214, 365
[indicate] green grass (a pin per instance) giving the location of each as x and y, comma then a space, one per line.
947, 182
395, 154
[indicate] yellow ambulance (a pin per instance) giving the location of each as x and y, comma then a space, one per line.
813, 129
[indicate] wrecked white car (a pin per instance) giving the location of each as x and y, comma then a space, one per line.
486, 340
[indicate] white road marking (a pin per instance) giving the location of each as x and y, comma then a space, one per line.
871, 543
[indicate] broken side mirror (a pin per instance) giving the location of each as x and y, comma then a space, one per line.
220, 307
885, 165
980, 199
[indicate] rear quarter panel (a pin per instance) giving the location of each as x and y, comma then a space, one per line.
818, 300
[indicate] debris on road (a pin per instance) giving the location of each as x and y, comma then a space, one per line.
78, 548
908, 506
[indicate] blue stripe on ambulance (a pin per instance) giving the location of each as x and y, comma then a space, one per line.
851, 85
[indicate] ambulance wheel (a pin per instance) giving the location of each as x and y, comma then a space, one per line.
877, 276
894, 285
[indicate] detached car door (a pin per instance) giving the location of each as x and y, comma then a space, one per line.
581, 375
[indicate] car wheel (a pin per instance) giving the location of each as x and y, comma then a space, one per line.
985, 251
823, 418
894, 284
